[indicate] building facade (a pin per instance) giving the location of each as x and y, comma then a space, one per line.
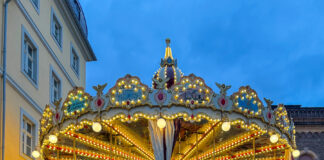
309, 123
46, 54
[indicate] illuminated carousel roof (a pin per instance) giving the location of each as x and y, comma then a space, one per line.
178, 120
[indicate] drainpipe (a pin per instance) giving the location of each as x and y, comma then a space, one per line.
4, 73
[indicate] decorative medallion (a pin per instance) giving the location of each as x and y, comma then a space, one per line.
128, 92
77, 102
192, 91
160, 97
222, 100
247, 101
269, 112
57, 115
99, 101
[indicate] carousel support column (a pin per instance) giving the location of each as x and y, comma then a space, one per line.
110, 141
196, 146
275, 155
74, 150
58, 154
253, 148
196, 143
179, 144
288, 154
115, 146
213, 143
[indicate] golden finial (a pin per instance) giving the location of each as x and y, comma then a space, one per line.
168, 52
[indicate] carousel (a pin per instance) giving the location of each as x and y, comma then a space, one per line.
178, 118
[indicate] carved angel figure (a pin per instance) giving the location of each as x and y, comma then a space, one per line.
160, 82
223, 88
99, 88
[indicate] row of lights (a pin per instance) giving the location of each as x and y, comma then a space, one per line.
230, 144
100, 145
80, 152
96, 126
248, 153
226, 126
133, 141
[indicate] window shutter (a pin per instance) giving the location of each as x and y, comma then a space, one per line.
51, 87
35, 70
25, 58
78, 65
34, 137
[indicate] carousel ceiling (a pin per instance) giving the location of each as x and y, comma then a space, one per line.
179, 118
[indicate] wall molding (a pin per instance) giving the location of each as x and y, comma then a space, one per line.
22, 92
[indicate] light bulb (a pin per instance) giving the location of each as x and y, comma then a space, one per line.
96, 126
296, 153
161, 123
52, 138
35, 154
226, 126
274, 138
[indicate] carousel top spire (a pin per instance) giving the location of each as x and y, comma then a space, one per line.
168, 68
168, 52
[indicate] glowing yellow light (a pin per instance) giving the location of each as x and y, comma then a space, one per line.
226, 126
161, 123
52, 138
35, 154
296, 153
96, 127
274, 138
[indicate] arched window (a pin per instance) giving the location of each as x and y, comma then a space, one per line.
306, 157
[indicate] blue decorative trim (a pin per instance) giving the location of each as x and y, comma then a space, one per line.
53, 72
24, 34
35, 139
59, 44
77, 73
33, 25
23, 93
35, 6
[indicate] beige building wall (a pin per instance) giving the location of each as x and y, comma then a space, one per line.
22, 95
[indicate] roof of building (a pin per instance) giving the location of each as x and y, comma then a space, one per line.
305, 115
78, 15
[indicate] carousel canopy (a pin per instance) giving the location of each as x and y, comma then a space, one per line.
179, 118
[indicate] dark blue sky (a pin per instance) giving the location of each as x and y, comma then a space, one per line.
275, 46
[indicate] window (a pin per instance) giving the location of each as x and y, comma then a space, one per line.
75, 61
305, 157
28, 131
55, 86
36, 5
56, 30
28, 134
29, 57
35, 2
